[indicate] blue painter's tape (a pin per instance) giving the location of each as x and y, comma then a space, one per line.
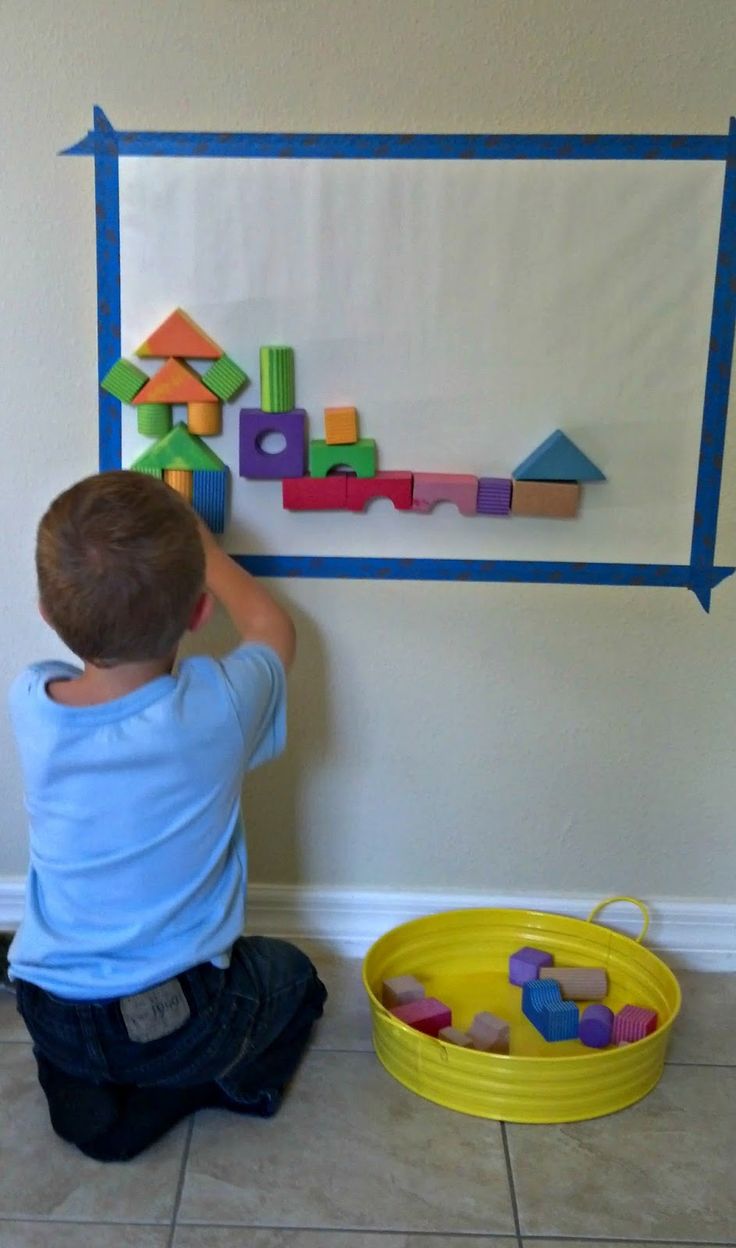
498, 570
107, 207
414, 146
717, 384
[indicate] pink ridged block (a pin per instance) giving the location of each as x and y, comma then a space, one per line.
632, 1023
445, 487
428, 1015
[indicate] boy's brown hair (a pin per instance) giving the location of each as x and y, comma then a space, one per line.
120, 566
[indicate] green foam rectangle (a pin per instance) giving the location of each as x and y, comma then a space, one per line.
361, 456
277, 379
224, 378
124, 380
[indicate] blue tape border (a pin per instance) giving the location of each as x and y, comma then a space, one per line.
701, 575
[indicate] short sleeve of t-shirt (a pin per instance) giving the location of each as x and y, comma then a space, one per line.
256, 683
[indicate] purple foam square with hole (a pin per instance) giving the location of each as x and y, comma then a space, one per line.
525, 964
290, 461
494, 496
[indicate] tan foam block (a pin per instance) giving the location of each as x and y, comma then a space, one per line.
489, 1034
453, 1035
401, 990
557, 500
578, 983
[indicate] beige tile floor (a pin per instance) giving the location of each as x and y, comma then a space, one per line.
355, 1161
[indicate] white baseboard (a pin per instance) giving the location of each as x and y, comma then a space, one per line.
694, 935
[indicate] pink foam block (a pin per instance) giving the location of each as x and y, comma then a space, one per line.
633, 1022
453, 1035
401, 990
428, 1015
396, 486
489, 1033
445, 487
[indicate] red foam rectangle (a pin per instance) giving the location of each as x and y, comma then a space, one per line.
396, 486
315, 493
428, 1015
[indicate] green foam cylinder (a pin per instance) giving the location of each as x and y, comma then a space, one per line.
154, 419
277, 379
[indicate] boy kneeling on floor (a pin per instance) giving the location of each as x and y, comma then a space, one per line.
143, 999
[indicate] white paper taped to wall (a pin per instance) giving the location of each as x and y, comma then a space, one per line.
467, 309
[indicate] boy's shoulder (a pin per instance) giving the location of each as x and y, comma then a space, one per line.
33, 679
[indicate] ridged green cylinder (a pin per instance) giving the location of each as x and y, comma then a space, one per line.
154, 419
277, 379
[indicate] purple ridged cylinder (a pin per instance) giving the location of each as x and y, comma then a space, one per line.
494, 496
596, 1026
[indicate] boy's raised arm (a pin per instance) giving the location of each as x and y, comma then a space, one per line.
254, 613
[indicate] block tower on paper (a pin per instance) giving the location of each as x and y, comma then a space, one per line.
179, 455
548, 482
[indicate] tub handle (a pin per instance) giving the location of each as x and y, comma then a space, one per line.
609, 901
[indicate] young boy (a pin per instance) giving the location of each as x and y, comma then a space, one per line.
143, 999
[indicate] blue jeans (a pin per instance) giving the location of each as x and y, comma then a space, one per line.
241, 1043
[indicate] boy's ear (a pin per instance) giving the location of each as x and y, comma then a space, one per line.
202, 612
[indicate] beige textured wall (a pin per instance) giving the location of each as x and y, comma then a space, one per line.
505, 738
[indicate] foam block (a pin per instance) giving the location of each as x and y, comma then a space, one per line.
596, 1026
175, 382
558, 459
209, 497
396, 486
204, 418
542, 1004
489, 1033
360, 456
633, 1022
494, 496
277, 379
428, 1015
179, 449
225, 378
549, 499
400, 990
180, 479
179, 336
526, 964
314, 493
431, 488
262, 465
124, 380
154, 419
453, 1035
578, 983
341, 426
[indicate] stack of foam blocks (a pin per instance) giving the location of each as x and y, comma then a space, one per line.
340, 471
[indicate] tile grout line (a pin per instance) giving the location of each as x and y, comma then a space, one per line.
180, 1183
512, 1185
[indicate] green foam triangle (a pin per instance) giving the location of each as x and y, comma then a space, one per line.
179, 449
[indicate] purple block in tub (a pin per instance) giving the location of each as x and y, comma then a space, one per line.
525, 964
494, 496
596, 1026
257, 463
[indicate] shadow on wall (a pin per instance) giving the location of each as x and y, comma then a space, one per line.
273, 792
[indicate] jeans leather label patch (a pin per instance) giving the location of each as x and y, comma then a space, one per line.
155, 1013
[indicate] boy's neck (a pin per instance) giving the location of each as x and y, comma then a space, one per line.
104, 684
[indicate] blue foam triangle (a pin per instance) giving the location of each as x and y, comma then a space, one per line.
558, 459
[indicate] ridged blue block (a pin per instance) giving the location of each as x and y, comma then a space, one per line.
209, 494
542, 1004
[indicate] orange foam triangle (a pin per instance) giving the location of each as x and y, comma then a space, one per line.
180, 336
175, 382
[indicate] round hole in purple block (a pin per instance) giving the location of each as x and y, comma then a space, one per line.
271, 442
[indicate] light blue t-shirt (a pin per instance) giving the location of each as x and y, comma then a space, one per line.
137, 851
